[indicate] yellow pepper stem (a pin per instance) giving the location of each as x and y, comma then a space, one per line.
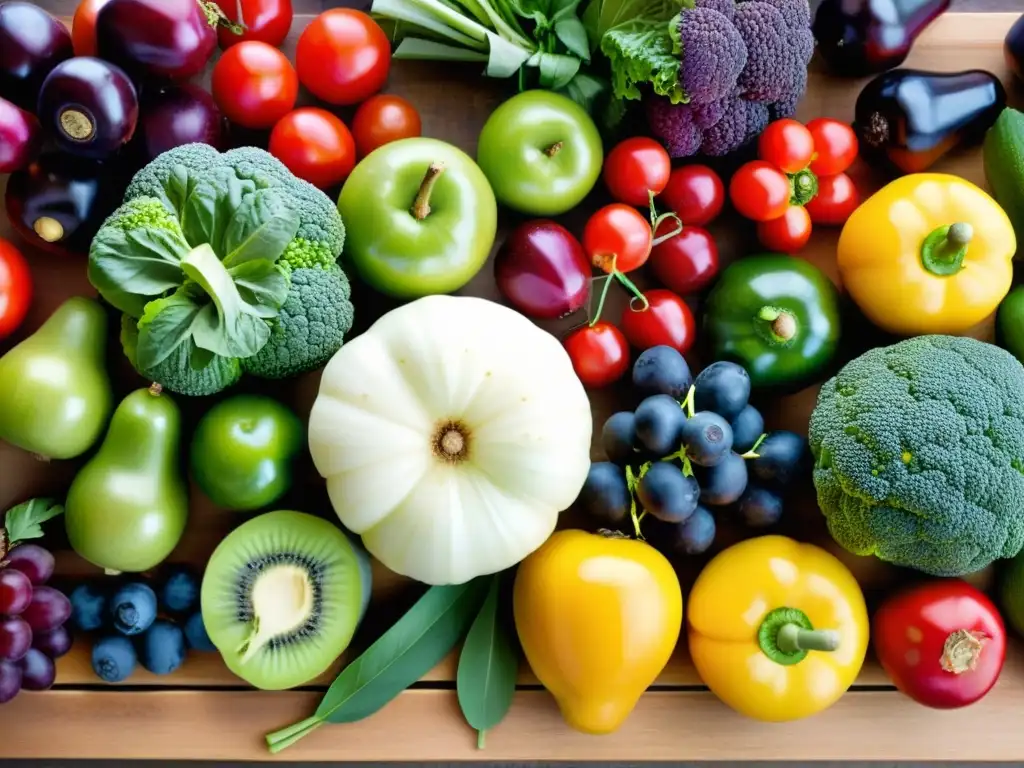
786, 635
944, 250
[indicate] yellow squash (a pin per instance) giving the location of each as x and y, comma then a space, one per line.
777, 630
598, 618
927, 253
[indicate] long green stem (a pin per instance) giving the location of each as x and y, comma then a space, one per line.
600, 302
284, 738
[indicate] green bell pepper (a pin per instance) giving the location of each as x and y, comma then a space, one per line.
1010, 323
776, 315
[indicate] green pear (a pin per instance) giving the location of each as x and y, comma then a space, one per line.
55, 395
127, 507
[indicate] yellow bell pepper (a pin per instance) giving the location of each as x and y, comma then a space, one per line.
927, 253
777, 630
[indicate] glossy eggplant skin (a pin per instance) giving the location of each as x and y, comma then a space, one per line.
32, 42
907, 119
857, 38
21, 137
60, 201
1013, 48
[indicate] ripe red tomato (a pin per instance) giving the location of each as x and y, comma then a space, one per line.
942, 643
695, 193
786, 144
83, 27
599, 354
343, 56
687, 262
666, 320
382, 119
835, 145
837, 198
634, 168
315, 145
759, 191
617, 238
16, 289
254, 84
265, 20
788, 233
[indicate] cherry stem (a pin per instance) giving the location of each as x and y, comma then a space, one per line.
637, 293
657, 219
600, 302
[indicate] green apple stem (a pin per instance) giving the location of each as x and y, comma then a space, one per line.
554, 149
421, 204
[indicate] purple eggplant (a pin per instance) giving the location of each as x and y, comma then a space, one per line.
176, 115
864, 37
32, 42
21, 138
90, 106
1013, 47
59, 202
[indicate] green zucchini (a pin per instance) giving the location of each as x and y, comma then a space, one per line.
1003, 153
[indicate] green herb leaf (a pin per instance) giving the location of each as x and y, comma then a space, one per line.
164, 325
262, 285
504, 58
642, 52
25, 521
436, 17
198, 357
261, 228
573, 36
586, 90
556, 70
212, 206
178, 187
602, 15
488, 665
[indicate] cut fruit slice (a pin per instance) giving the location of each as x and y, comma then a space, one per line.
282, 596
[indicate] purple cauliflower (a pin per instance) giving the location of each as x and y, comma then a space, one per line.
711, 75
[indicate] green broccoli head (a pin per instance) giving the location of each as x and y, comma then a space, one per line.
919, 454
310, 327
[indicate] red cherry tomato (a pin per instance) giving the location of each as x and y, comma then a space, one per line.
786, 144
666, 320
695, 193
382, 119
942, 643
788, 233
599, 354
837, 198
687, 262
265, 20
759, 191
16, 289
634, 168
83, 27
343, 56
315, 145
835, 146
254, 84
617, 238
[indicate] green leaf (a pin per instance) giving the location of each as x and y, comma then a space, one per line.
262, 285
436, 17
573, 36
419, 49
178, 187
164, 325
488, 665
641, 52
260, 228
586, 90
537, 10
556, 70
504, 58
25, 521
602, 15
212, 206
198, 357
127, 268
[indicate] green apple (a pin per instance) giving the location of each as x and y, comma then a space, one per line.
541, 152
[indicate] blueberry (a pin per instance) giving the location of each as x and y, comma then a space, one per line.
179, 591
760, 507
691, 537
618, 436
707, 437
667, 494
195, 634
746, 428
113, 658
662, 370
659, 425
133, 608
605, 496
780, 458
722, 387
161, 647
88, 606
723, 483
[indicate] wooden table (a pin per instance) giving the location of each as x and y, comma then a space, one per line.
203, 712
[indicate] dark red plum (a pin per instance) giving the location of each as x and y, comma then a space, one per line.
177, 115
542, 270
21, 138
32, 42
89, 106
60, 201
1014, 48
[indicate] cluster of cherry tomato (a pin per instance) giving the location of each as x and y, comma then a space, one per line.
619, 240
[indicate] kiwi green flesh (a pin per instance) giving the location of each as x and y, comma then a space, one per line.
311, 586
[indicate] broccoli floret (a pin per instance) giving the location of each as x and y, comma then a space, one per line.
919, 454
306, 254
147, 212
713, 54
310, 327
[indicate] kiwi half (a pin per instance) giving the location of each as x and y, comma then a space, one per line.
282, 596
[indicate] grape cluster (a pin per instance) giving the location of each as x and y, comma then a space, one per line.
691, 447
32, 618
138, 623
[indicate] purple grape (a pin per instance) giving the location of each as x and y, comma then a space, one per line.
10, 681
15, 638
54, 643
15, 592
37, 671
48, 610
32, 560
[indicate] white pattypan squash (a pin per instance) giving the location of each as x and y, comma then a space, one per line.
452, 433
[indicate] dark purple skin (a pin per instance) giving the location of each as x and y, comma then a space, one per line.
21, 138
10, 680
542, 271
37, 671
1013, 48
60, 201
89, 106
865, 37
54, 643
32, 42
177, 115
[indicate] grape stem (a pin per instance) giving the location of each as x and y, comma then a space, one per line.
687, 404
631, 483
752, 453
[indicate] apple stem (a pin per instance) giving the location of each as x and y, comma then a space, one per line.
421, 205
554, 149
